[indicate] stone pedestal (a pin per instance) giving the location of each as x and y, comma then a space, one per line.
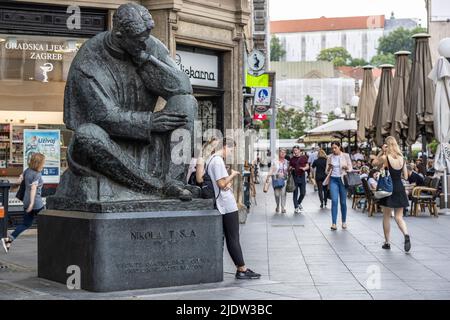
126, 251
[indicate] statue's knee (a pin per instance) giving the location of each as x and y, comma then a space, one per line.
182, 103
90, 131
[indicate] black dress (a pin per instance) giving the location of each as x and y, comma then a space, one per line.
398, 198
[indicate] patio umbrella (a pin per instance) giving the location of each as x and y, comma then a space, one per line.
366, 105
394, 124
381, 112
441, 77
419, 99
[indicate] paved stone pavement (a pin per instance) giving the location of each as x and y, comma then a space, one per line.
299, 258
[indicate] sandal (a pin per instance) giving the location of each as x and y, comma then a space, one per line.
6, 242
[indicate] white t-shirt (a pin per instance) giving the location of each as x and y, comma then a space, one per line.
372, 183
336, 162
358, 156
216, 170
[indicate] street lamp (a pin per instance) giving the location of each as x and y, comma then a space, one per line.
338, 112
354, 103
444, 48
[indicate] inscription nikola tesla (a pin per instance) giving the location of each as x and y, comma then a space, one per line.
162, 235
163, 265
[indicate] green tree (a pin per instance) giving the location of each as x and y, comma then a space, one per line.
276, 50
331, 116
290, 123
310, 110
383, 59
398, 40
357, 62
338, 55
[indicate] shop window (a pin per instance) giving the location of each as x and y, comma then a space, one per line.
209, 113
33, 74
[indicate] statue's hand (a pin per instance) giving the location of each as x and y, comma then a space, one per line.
167, 121
141, 58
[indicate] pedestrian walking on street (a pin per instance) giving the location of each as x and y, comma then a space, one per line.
320, 168
391, 159
338, 164
226, 203
32, 200
311, 173
298, 165
279, 173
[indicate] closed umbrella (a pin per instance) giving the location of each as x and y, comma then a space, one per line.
420, 97
394, 124
381, 112
366, 105
441, 77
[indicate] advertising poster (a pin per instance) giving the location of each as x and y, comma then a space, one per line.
48, 143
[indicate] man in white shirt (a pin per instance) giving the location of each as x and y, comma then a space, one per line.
357, 156
227, 206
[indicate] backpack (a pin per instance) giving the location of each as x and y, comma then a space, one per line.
21, 192
207, 185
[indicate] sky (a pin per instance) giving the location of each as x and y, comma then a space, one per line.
306, 9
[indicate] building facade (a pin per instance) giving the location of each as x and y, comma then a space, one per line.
296, 80
304, 39
261, 26
438, 24
205, 37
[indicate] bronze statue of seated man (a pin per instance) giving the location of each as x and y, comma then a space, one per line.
121, 148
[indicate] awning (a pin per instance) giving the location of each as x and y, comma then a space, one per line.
316, 139
339, 128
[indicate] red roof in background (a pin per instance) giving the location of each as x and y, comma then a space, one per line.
358, 72
327, 24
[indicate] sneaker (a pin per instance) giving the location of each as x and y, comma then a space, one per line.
6, 242
283, 211
321, 206
296, 210
386, 246
277, 210
247, 275
407, 243
300, 208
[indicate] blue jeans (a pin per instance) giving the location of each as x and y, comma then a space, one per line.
338, 194
28, 218
300, 185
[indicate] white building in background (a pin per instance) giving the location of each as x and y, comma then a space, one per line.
438, 24
329, 92
304, 39
318, 79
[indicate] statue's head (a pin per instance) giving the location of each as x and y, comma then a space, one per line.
132, 24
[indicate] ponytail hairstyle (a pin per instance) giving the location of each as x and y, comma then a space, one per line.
210, 147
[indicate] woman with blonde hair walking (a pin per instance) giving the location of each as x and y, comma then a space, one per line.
391, 160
